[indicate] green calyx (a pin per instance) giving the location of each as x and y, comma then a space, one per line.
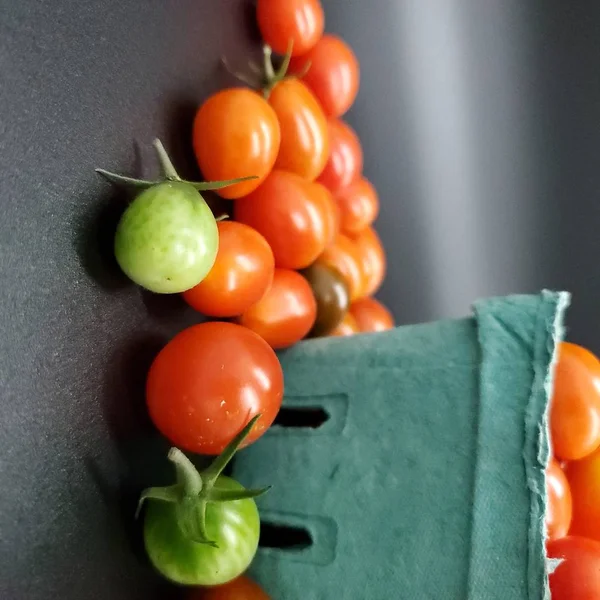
194, 490
169, 174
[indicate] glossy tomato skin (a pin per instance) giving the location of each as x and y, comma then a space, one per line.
293, 218
359, 206
208, 381
242, 273
234, 526
343, 257
371, 315
236, 134
286, 313
331, 294
242, 588
333, 76
575, 406
578, 576
584, 479
372, 258
346, 328
560, 508
345, 162
332, 212
304, 147
299, 21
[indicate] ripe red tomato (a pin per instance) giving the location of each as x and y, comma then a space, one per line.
293, 218
346, 328
208, 381
299, 21
575, 408
236, 134
286, 313
332, 221
242, 273
371, 315
345, 161
559, 509
359, 206
584, 479
304, 145
343, 256
333, 75
578, 576
241, 588
372, 259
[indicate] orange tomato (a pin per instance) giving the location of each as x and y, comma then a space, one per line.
291, 216
304, 145
372, 259
359, 206
236, 134
371, 315
242, 273
241, 588
346, 328
286, 313
299, 21
333, 75
333, 218
584, 479
575, 405
560, 507
343, 256
345, 162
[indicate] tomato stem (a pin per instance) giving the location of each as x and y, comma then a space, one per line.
165, 162
187, 475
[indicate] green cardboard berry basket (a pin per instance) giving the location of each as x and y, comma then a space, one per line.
410, 464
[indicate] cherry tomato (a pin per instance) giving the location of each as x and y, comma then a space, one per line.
333, 75
559, 509
286, 313
332, 221
371, 315
304, 145
359, 206
575, 408
331, 293
343, 256
346, 328
584, 479
242, 273
208, 381
299, 21
293, 218
242, 588
578, 575
372, 260
345, 162
236, 134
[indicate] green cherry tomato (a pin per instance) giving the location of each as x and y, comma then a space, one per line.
332, 296
167, 240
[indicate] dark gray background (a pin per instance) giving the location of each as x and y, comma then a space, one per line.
480, 122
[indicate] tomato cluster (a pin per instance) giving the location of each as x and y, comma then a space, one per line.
296, 257
573, 475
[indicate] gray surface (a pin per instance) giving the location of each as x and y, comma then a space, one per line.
480, 127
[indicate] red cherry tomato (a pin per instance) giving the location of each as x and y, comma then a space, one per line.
236, 134
578, 575
559, 509
293, 218
345, 161
304, 145
333, 75
346, 328
286, 313
242, 273
343, 256
584, 479
372, 260
575, 407
359, 206
241, 588
208, 381
299, 21
371, 315
332, 221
